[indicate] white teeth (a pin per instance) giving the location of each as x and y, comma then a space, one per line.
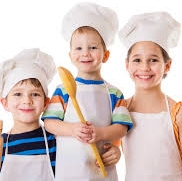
144, 76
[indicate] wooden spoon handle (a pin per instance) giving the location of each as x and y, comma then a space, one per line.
94, 148
97, 156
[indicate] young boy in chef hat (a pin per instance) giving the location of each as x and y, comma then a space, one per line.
89, 28
29, 151
152, 150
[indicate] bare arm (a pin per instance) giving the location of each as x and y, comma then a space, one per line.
78, 130
179, 123
110, 133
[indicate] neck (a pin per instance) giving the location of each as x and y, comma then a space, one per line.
148, 94
90, 76
24, 127
147, 101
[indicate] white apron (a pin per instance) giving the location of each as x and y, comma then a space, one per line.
27, 168
150, 149
75, 160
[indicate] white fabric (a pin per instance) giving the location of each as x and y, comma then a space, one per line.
75, 161
150, 149
158, 27
27, 168
30, 63
103, 19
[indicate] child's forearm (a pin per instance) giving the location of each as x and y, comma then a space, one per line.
57, 127
112, 132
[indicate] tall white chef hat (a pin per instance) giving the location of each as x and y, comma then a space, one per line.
30, 63
158, 27
101, 18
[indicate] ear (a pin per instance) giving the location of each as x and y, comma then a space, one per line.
167, 66
46, 102
4, 103
106, 56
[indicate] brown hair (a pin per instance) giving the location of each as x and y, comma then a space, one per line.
164, 53
83, 29
35, 82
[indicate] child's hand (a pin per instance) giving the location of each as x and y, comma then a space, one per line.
95, 133
111, 156
82, 132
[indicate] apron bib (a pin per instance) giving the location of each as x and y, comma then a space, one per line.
27, 168
150, 149
75, 161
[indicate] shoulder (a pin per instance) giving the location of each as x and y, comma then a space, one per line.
128, 101
171, 102
113, 89
60, 89
60, 92
176, 108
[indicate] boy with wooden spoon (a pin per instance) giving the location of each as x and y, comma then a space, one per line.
89, 28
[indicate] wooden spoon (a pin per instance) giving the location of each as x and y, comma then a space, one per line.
70, 86
1, 141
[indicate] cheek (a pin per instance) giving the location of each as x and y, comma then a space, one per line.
160, 70
130, 69
73, 55
41, 105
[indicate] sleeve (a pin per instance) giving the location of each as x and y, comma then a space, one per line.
120, 113
57, 105
4, 136
176, 116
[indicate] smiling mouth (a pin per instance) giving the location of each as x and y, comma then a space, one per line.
145, 77
86, 61
26, 110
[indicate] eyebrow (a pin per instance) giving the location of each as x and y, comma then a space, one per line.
151, 55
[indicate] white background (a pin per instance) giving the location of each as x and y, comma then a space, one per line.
36, 23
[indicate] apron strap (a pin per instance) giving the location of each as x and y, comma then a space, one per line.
174, 112
47, 151
45, 140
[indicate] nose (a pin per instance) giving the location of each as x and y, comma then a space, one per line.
27, 99
85, 52
145, 66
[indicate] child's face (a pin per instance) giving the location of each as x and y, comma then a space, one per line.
25, 102
146, 65
87, 53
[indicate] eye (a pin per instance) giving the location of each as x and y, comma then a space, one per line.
136, 60
17, 94
35, 94
153, 60
93, 48
78, 48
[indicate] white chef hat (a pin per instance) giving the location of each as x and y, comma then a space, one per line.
103, 19
158, 27
30, 63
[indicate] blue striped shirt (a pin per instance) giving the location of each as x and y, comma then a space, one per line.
30, 143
